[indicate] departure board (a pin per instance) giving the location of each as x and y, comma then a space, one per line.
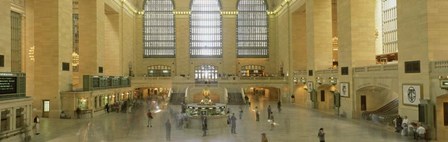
8, 84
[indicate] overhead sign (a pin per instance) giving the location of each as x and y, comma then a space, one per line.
444, 84
8, 84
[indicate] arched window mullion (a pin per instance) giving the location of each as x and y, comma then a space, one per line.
159, 32
205, 29
252, 32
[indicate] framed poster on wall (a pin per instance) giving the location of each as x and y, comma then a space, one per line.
310, 86
412, 94
345, 91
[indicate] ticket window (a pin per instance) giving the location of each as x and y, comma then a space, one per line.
20, 119
445, 116
5, 120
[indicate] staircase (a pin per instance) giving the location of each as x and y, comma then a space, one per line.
384, 114
235, 99
177, 98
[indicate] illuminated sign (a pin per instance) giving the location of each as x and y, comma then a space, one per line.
444, 84
8, 84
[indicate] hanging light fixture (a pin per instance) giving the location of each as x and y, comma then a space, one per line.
75, 59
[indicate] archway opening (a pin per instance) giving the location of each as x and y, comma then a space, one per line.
377, 104
325, 98
301, 95
442, 116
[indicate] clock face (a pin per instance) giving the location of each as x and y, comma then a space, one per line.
412, 94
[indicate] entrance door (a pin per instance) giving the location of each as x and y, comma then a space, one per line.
445, 114
363, 103
46, 108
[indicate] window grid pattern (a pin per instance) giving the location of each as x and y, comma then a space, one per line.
20, 118
159, 32
205, 29
252, 28
389, 16
252, 70
159, 71
206, 72
252, 67
76, 39
16, 42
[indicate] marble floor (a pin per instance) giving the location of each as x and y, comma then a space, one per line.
295, 124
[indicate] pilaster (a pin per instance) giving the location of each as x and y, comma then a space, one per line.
53, 46
5, 34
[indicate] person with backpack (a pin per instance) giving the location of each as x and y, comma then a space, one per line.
36, 124
321, 135
149, 115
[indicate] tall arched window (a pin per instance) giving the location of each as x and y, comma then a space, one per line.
205, 29
389, 16
158, 32
252, 24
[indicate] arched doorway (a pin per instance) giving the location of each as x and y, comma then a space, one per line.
325, 98
301, 95
442, 117
374, 100
262, 94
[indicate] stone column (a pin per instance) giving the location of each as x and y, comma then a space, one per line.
29, 47
356, 40
319, 34
229, 59
53, 46
112, 44
183, 65
5, 34
422, 37
91, 36
298, 40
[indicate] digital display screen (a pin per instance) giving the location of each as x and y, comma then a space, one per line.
8, 84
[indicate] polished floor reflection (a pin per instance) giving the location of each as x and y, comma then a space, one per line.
295, 124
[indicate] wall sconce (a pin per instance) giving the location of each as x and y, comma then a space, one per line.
75, 59
303, 80
333, 80
333, 88
319, 80
31, 53
295, 80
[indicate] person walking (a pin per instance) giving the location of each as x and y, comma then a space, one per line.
321, 135
241, 113
78, 112
257, 115
168, 129
204, 126
420, 132
233, 124
293, 98
107, 107
269, 112
36, 124
398, 122
272, 120
279, 106
263, 137
149, 115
